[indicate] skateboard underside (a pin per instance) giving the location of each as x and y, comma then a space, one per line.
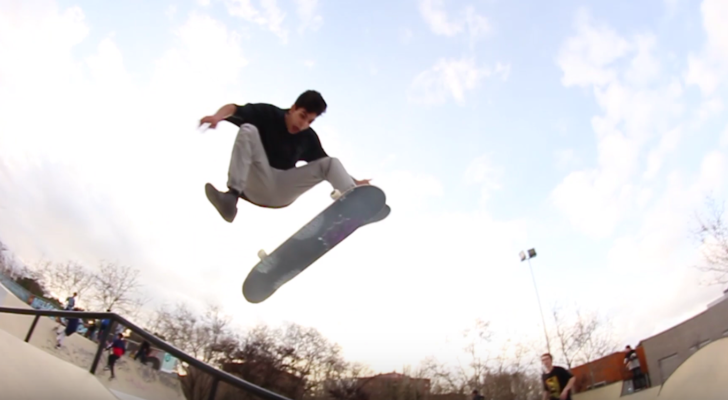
344, 216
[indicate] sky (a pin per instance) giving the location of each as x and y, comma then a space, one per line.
590, 131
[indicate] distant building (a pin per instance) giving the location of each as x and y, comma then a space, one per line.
607, 370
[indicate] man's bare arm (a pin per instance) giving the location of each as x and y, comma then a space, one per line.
570, 385
225, 111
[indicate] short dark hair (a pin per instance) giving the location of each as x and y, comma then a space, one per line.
547, 355
311, 101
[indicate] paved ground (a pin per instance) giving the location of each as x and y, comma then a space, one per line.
29, 373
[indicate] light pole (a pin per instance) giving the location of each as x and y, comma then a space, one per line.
527, 256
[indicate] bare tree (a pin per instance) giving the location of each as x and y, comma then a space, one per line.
463, 377
65, 278
116, 287
712, 233
182, 327
583, 336
566, 336
5, 267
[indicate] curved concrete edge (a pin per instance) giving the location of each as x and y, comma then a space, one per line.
704, 375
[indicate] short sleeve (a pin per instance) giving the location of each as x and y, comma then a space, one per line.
314, 151
247, 113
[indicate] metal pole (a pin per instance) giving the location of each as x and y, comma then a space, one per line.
32, 328
538, 298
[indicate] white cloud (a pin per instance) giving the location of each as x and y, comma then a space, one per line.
448, 79
707, 69
468, 20
310, 19
436, 17
584, 57
631, 193
667, 145
271, 16
644, 68
484, 173
638, 106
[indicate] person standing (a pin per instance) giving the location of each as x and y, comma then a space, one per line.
118, 348
71, 301
71, 328
632, 362
557, 381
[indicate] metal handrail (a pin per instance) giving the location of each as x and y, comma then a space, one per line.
217, 374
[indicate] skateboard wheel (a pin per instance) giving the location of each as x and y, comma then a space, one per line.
262, 254
335, 194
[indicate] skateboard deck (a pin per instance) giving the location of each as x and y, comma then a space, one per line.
358, 207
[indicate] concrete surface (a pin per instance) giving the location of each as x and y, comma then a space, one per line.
703, 376
133, 380
29, 373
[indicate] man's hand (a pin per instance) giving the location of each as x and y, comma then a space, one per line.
224, 112
212, 120
362, 182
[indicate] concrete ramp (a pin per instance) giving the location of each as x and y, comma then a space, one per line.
134, 381
703, 376
29, 373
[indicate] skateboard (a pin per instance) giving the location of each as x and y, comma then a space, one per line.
350, 211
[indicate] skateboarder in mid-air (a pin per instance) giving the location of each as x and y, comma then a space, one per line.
268, 145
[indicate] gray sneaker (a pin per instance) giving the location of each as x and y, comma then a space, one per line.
225, 203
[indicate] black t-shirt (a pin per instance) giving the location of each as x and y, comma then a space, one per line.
555, 381
283, 149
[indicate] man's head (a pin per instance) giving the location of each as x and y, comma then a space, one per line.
547, 361
309, 105
628, 348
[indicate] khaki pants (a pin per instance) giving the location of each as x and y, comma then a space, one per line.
251, 174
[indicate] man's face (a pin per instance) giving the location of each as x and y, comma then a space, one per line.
299, 119
546, 361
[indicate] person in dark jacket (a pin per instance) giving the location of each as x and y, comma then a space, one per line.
71, 328
143, 352
118, 348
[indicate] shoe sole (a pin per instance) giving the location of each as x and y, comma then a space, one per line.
212, 196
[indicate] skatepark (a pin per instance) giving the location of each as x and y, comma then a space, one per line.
35, 369
38, 370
